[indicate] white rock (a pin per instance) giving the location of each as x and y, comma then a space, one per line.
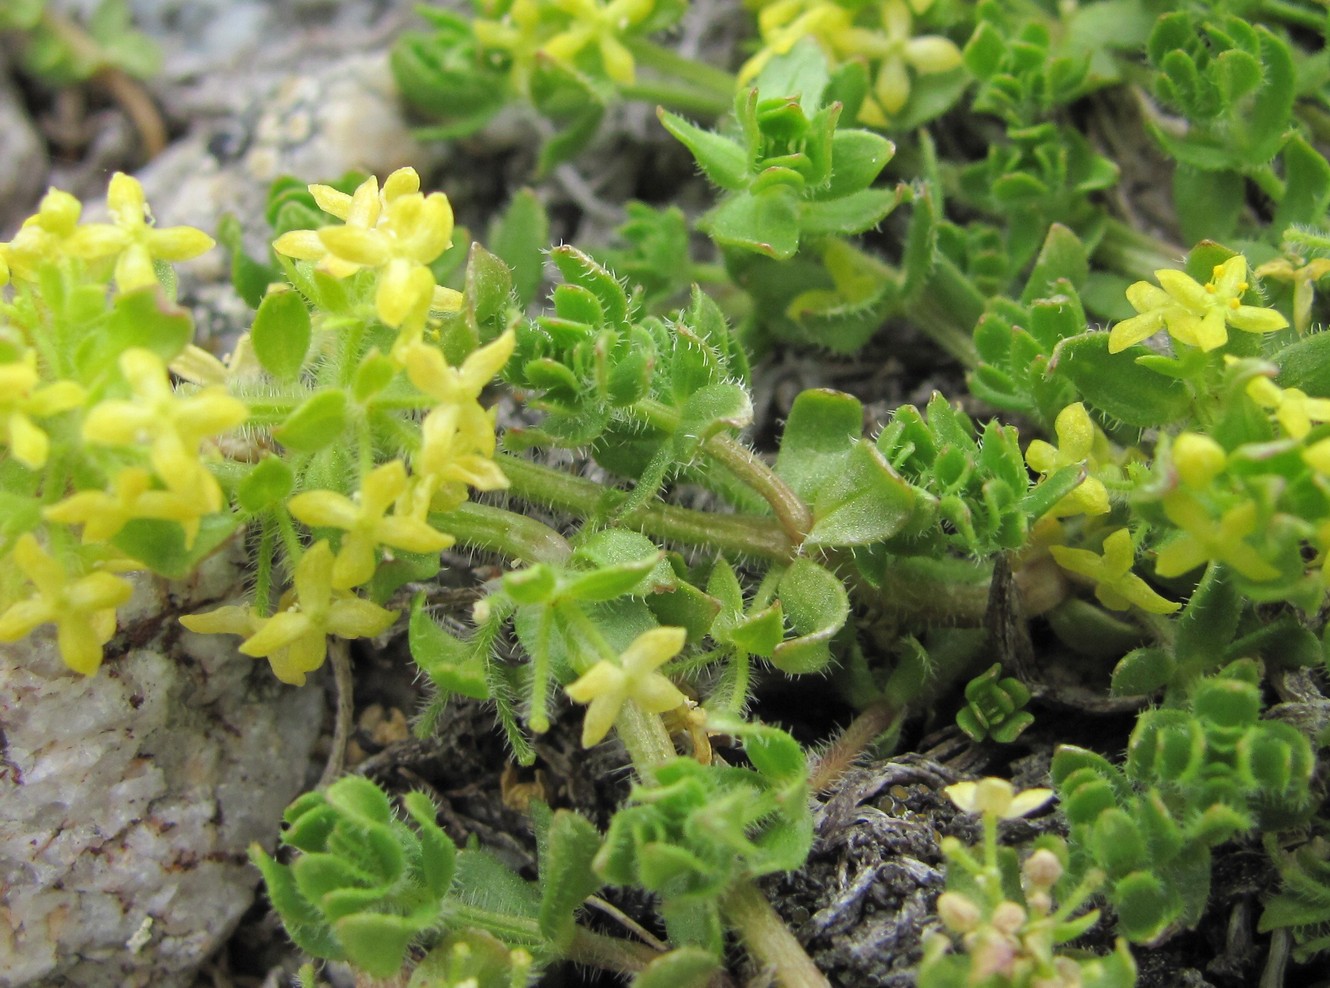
128, 799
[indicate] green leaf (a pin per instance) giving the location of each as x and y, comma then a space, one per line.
1142, 671
800, 72
145, 318
815, 601
1116, 385
1208, 202
360, 798
1062, 256
1306, 365
857, 158
267, 485
866, 501
707, 411
438, 854
686, 967
849, 214
281, 333
160, 545
377, 943
566, 875
454, 666
1145, 907
822, 427
304, 923
319, 421
765, 222
250, 278
1209, 621
721, 159
1306, 185
519, 237
581, 269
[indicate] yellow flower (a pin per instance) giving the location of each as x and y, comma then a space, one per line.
1192, 313
1116, 586
607, 686
456, 451
1293, 408
21, 401
139, 242
599, 25
82, 609
997, 798
1304, 275
367, 524
429, 371
896, 52
1198, 459
518, 34
173, 425
1076, 439
1202, 539
53, 234
295, 640
783, 23
103, 514
397, 232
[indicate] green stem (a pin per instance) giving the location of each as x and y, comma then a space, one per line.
610, 953
1268, 182
792, 513
504, 532
947, 310
845, 751
1134, 254
768, 939
716, 83
675, 98
795, 518
263, 578
737, 534
645, 737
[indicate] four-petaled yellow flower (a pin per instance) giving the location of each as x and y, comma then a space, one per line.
138, 242
896, 52
397, 232
607, 686
599, 25
52, 234
367, 524
1203, 539
456, 452
81, 608
21, 401
1195, 314
104, 514
997, 798
1294, 409
429, 371
295, 639
1304, 275
1076, 440
783, 23
1115, 584
173, 425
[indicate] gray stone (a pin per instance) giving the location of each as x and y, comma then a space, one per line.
23, 164
130, 797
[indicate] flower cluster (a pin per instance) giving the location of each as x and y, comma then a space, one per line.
888, 44
122, 466
396, 232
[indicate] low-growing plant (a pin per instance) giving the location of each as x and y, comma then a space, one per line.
1159, 502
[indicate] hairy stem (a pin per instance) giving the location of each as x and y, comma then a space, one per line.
768, 939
